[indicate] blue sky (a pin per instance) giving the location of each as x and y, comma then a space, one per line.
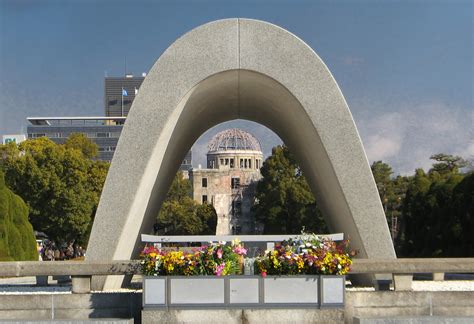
405, 67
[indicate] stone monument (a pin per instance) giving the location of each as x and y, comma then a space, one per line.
237, 69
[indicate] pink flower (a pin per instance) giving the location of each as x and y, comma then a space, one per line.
240, 250
219, 269
264, 274
219, 253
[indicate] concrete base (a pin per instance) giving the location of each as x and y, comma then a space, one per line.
394, 304
360, 305
81, 284
248, 316
71, 307
402, 282
415, 320
95, 321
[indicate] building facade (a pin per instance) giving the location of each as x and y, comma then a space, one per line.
119, 93
13, 138
229, 182
103, 131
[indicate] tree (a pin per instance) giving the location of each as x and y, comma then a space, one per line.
284, 201
181, 215
392, 192
447, 163
460, 226
59, 184
17, 240
437, 220
80, 142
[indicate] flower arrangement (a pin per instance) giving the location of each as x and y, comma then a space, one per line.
217, 259
306, 254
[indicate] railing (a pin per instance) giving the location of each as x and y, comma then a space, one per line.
81, 271
270, 240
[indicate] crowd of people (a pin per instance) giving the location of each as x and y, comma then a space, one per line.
50, 251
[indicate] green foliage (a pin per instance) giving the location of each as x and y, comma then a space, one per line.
181, 215
284, 201
447, 163
59, 184
80, 142
17, 241
437, 212
391, 192
459, 229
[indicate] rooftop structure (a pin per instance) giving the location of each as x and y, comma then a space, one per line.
233, 139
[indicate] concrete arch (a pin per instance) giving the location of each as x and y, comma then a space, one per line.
230, 69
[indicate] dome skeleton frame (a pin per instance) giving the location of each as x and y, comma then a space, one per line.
233, 139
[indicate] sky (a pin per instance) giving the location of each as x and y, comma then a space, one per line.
405, 67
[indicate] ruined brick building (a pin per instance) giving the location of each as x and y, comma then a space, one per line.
234, 160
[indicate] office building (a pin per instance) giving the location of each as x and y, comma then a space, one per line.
104, 131
119, 93
16, 138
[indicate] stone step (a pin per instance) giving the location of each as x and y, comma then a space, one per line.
72, 321
415, 320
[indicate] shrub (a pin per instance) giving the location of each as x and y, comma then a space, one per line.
17, 241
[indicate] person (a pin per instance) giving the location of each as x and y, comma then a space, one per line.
70, 251
39, 248
49, 255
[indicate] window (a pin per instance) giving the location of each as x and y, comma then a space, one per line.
236, 207
204, 182
241, 163
235, 183
103, 134
250, 163
204, 199
231, 163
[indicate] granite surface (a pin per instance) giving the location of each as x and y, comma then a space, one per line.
224, 70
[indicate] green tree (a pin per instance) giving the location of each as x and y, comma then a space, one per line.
284, 201
59, 184
17, 240
460, 225
436, 215
392, 192
80, 142
181, 215
446, 163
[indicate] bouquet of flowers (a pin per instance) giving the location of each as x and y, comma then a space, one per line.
306, 254
217, 259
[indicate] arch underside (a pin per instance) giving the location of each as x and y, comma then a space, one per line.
238, 69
